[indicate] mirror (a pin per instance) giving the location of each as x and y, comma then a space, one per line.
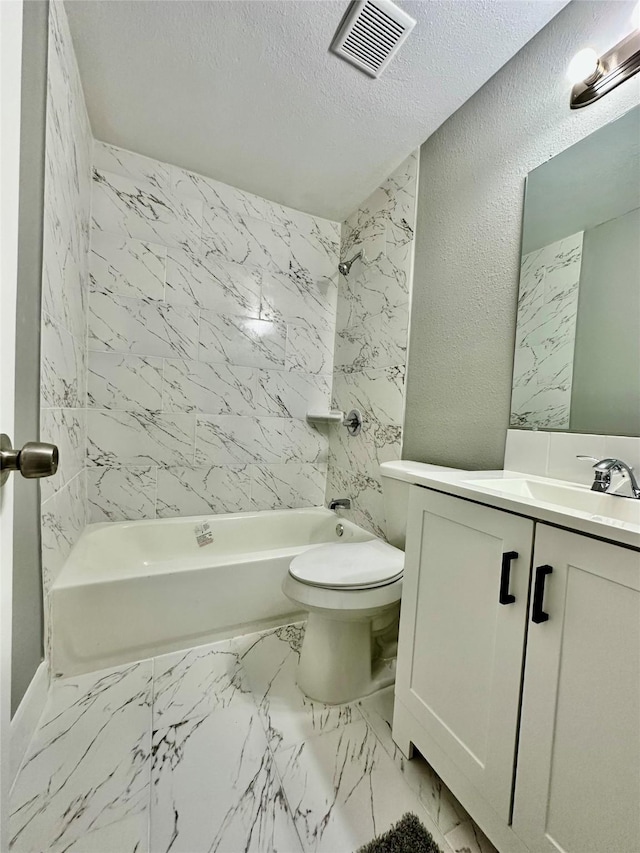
577, 353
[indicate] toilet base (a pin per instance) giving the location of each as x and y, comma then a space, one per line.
341, 659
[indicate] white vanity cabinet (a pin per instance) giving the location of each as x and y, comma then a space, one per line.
519, 676
578, 775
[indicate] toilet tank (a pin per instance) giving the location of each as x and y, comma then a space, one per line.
396, 482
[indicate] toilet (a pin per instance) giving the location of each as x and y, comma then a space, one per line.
352, 594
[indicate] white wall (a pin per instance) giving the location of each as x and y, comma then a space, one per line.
211, 327
468, 234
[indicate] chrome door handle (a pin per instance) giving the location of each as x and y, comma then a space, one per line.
36, 459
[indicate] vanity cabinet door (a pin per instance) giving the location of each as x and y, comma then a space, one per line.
578, 773
460, 651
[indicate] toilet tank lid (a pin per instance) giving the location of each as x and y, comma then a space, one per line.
349, 564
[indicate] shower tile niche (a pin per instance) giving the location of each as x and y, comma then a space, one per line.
211, 330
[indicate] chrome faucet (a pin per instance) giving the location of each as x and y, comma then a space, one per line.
340, 503
604, 468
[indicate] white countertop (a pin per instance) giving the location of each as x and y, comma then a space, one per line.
486, 487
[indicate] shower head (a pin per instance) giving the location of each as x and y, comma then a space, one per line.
345, 266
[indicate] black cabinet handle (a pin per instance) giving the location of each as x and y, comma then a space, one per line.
537, 613
505, 574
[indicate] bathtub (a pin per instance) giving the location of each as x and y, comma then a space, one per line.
131, 590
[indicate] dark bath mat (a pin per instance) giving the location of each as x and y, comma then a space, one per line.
407, 836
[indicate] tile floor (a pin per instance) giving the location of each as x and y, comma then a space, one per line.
214, 749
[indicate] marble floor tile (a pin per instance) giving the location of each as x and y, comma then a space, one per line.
216, 749
434, 795
270, 661
469, 838
215, 788
197, 682
88, 766
343, 789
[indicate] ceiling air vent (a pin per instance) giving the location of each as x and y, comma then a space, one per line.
371, 34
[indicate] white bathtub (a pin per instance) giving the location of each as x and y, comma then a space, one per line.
135, 589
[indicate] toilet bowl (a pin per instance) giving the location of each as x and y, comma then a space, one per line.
352, 594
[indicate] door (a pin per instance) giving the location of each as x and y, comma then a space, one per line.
578, 776
462, 634
10, 92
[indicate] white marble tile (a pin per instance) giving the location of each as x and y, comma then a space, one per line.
245, 240
295, 300
121, 494
137, 209
124, 439
64, 270
365, 492
142, 327
215, 788
67, 429
378, 393
376, 443
214, 389
215, 194
292, 395
270, 660
197, 682
441, 805
210, 282
128, 164
130, 835
126, 267
374, 341
241, 341
63, 366
226, 439
203, 490
130, 382
545, 334
63, 518
289, 485
343, 789
88, 767
469, 838
309, 349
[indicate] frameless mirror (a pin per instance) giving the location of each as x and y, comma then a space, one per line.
577, 353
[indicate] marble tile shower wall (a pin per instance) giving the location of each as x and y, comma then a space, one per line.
211, 330
371, 342
66, 220
546, 334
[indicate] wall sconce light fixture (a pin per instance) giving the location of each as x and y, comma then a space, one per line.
594, 76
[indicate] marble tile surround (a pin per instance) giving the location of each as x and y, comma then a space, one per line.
211, 329
371, 343
545, 335
215, 749
66, 222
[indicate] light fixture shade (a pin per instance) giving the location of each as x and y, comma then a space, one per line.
583, 65
604, 72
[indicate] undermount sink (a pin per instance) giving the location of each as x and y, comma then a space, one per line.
572, 497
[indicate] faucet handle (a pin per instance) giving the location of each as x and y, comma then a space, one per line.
587, 458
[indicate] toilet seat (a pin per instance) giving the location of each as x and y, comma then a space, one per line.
349, 565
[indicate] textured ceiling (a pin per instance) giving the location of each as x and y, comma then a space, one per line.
247, 92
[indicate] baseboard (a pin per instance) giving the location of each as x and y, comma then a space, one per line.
26, 718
